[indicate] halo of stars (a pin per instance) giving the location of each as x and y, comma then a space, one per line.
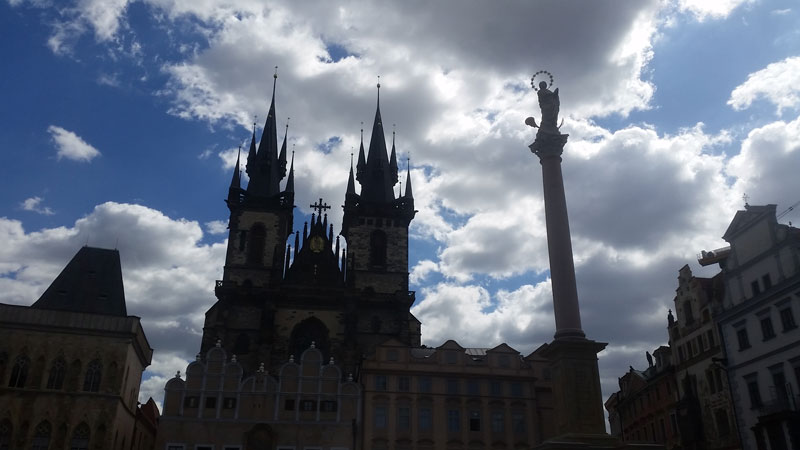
541, 72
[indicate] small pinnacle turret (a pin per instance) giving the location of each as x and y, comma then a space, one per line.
409, 194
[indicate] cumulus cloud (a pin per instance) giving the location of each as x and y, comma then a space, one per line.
778, 83
71, 146
35, 204
169, 275
217, 227
711, 9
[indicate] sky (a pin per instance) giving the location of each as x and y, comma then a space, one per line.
120, 122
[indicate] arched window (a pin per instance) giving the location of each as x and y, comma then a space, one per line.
80, 438
306, 332
94, 372
57, 371
19, 373
255, 244
5, 434
41, 436
377, 248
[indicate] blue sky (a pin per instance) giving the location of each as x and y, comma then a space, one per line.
119, 123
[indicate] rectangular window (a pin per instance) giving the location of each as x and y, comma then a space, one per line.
403, 384
404, 418
211, 402
473, 387
380, 382
308, 405
518, 422
425, 419
752, 390
288, 404
452, 386
229, 403
453, 420
496, 388
744, 341
767, 282
498, 425
391, 355
516, 389
755, 287
328, 405
474, 420
766, 328
787, 319
380, 417
190, 402
425, 385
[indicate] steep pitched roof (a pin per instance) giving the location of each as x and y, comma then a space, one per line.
90, 283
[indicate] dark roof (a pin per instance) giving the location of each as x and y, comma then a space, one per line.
90, 283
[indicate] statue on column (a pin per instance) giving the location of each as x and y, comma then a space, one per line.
550, 104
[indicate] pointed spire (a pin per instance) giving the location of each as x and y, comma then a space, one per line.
282, 156
290, 180
330, 230
325, 223
266, 176
362, 159
236, 181
393, 159
337, 247
251, 156
409, 194
351, 184
377, 184
296, 242
305, 232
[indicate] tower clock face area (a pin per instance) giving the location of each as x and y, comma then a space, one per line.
316, 244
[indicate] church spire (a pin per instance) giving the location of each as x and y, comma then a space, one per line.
251, 155
376, 186
408, 194
267, 171
282, 156
393, 159
362, 160
290, 180
351, 184
236, 181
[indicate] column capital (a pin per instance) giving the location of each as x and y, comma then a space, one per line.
548, 145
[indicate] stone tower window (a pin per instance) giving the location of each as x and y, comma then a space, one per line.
94, 372
255, 244
377, 248
80, 437
56, 378
19, 373
41, 436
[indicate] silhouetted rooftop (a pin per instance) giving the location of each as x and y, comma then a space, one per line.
90, 283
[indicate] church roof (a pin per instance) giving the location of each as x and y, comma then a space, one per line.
90, 283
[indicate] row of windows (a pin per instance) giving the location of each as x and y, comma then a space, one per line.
58, 372
780, 391
767, 329
41, 438
696, 346
497, 420
453, 386
211, 402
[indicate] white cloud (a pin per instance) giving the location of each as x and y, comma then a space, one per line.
35, 204
421, 271
71, 146
217, 227
778, 83
713, 9
169, 275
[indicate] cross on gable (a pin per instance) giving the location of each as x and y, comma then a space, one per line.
320, 206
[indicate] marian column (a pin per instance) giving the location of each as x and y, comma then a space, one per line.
579, 418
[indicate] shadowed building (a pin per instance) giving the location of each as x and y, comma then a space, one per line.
71, 364
757, 321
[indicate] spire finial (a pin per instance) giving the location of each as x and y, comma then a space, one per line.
379, 90
746, 197
275, 75
351, 157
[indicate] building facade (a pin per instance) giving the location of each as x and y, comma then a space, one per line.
705, 410
757, 322
455, 397
643, 411
71, 364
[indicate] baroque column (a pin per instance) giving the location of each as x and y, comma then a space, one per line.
579, 419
